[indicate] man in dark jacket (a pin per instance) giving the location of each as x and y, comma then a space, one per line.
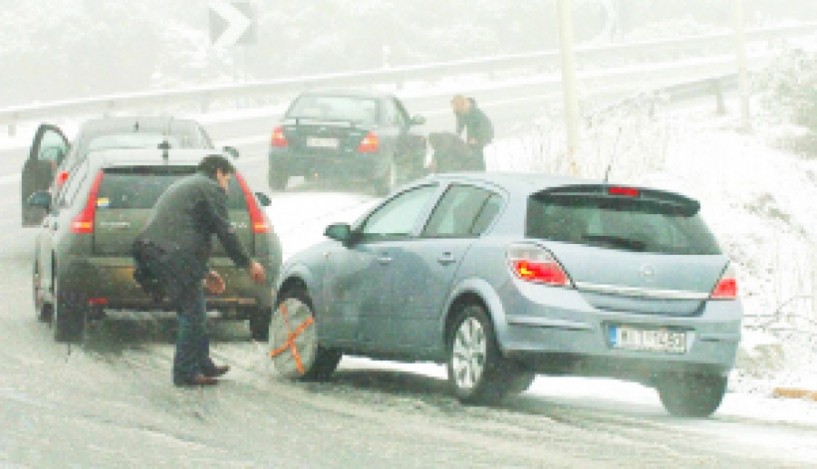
479, 131
172, 254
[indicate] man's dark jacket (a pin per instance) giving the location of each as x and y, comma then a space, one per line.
476, 124
173, 250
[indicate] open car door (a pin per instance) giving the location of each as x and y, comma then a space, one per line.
47, 152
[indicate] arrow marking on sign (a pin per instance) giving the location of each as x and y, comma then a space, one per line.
237, 23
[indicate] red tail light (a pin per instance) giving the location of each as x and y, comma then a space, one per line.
535, 264
369, 144
727, 286
279, 139
623, 191
62, 176
257, 221
83, 223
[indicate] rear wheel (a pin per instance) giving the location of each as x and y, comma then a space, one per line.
294, 346
68, 314
277, 180
43, 310
387, 182
477, 372
691, 395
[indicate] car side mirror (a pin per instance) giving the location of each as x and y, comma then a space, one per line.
263, 199
231, 151
418, 120
339, 232
41, 199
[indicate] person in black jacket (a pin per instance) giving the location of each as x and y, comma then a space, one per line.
172, 254
479, 131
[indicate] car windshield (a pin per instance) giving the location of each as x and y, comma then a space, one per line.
335, 108
132, 140
618, 223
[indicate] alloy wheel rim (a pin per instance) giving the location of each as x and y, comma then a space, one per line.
468, 354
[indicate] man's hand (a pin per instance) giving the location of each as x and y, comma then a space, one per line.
213, 283
257, 273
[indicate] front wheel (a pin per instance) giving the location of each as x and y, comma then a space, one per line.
477, 372
293, 335
691, 395
69, 314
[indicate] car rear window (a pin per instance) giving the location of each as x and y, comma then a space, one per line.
140, 187
342, 108
618, 223
132, 140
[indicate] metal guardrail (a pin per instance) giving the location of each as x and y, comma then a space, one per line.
204, 96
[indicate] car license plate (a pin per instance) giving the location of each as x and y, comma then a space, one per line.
650, 340
321, 142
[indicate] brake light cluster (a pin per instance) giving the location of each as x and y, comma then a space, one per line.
83, 223
727, 286
258, 223
623, 191
369, 144
533, 263
279, 139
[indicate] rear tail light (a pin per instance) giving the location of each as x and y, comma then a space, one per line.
369, 144
279, 139
83, 223
727, 286
532, 263
62, 176
258, 223
97, 301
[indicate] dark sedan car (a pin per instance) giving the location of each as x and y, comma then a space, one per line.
502, 276
83, 266
350, 136
51, 157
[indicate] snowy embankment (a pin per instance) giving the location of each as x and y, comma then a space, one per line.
757, 199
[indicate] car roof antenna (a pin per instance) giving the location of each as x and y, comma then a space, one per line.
612, 157
165, 145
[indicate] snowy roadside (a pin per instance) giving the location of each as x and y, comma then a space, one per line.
756, 198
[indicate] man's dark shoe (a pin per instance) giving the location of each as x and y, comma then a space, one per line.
198, 380
216, 371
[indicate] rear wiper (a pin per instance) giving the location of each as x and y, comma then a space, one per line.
616, 241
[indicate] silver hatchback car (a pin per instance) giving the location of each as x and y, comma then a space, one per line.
502, 276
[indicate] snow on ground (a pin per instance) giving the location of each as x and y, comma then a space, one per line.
757, 200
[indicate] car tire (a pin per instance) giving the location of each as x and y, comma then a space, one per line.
277, 180
477, 372
387, 182
43, 310
691, 395
259, 324
298, 355
69, 314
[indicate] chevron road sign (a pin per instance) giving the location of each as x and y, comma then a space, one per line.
232, 23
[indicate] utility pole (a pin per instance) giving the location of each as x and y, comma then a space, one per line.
740, 56
569, 81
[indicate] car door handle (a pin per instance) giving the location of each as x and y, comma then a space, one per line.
446, 258
384, 259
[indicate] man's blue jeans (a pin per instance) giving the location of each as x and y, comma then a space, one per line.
192, 345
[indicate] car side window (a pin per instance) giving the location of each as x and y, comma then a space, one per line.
398, 217
464, 211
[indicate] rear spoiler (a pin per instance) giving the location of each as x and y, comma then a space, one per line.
651, 199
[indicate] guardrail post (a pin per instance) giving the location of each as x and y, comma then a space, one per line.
12, 129
720, 105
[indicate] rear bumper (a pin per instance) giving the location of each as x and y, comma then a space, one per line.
553, 330
109, 283
339, 166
